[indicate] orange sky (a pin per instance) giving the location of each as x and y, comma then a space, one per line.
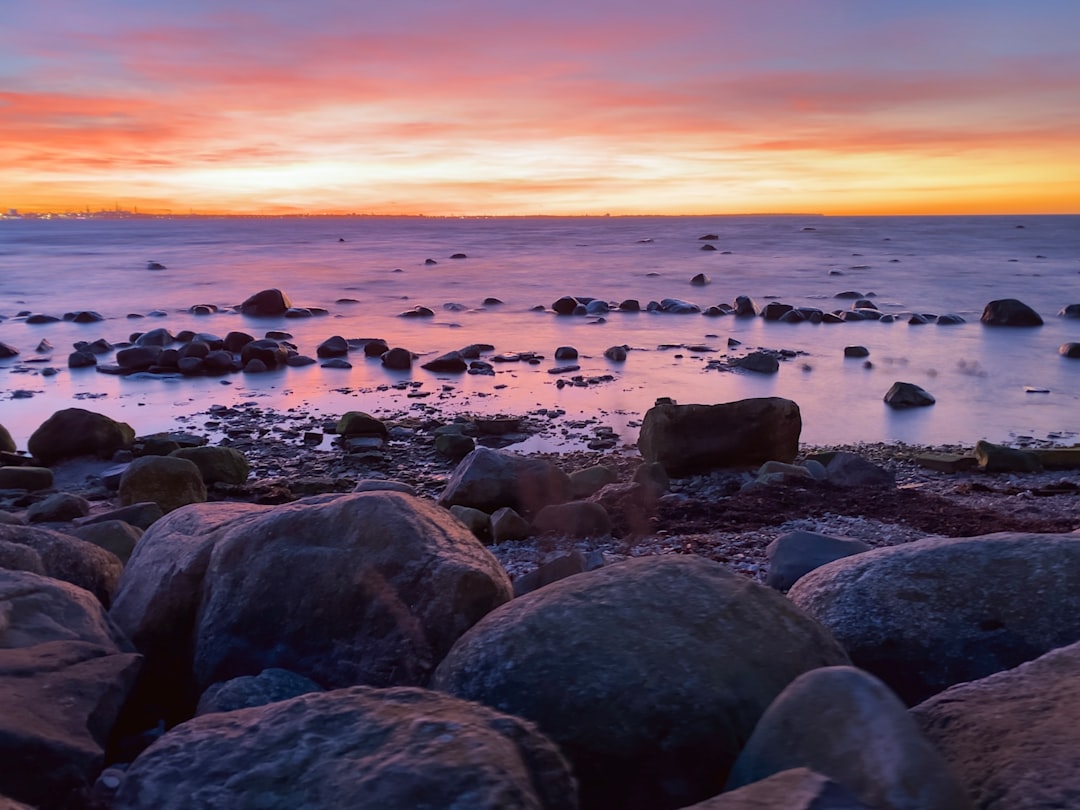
503, 107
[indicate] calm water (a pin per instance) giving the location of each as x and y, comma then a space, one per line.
923, 264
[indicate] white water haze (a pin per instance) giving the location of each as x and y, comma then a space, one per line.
980, 375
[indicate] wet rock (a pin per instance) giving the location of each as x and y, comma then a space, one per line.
565, 305
84, 316
950, 319
65, 557
449, 363
267, 303
507, 525
856, 351
269, 352
477, 522
908, 395
335, 346
630, 305
58, 507
398, 359
358, 423
25, 477
81, 359
225, 465
167, 481
1069, 350
1010, 312
566, 353
616, 354
761, 362
74, 432
689, 439
160, 337
236, 341
589, 480
454, 445
700, 280
844, 469
1070, 311
996, 458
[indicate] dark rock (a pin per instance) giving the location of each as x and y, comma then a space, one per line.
700, 280
616, 354
678, 307
845, 469
630, 305
555, 566
856, 351
266, 303
169, 482
7, 444
795, 789
573, 519
74, 432
996, 458
40, 319
707, 247
449, 363
358, 423
688, 439
565, 305
67, 558
225, 465
1010, 312
84, 316
58, 508
454, 445
589, 480
950, 320
488, 479
217, 362
908, 395
925, 615
566, 353
236, 341
417, 312
1070, 311
375, 348
25, 477
419, 749
138, 358
81, 359
160, 337
761, 362
1069, 350
774, 309
507, 525
398, 359
140, 515
714, 649
115, 536
271, 353
335, 346
744, 307
847, 725
269, 686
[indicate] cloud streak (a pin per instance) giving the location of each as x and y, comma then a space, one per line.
506, 108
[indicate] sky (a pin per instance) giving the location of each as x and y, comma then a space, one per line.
506, 107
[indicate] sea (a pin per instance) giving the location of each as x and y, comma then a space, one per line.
359, 274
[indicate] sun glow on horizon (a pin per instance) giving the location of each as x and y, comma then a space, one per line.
257, 109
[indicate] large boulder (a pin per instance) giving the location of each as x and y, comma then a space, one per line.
266, 303
357, 747
65, 670
67, 558
225, 465
650, 674
689, 439
848, 726
1012, 738
926, 615
7, 444
1010, 312
74, 432
165, 480
365, 588
489, 479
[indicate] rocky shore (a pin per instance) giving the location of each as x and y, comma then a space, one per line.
281, 609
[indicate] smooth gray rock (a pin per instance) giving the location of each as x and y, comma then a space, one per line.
932, 613
357, 747
848, 726
649, 673
796, 553
489, 479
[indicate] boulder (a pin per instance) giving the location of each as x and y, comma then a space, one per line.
573, 519
376, 347
705, 650
489, 479
17, 557
844, 469
761, 362
269, 352
846, 725
477, 522
908, 395
796, 789
58, 508
335, 346
631, 506
586, 481
555, 566
74, 432
269, 686
363, 588
689, 439
1010, 312
799, 552
449, 363
266, 303
856, 351
566, 353
1012, 737
358, 423
234, 342
925, 615
225, 465
167, 481
67, 558
1070, 350
140, 515
565, 305
7, 444
358, 747
115, 536
28, 478
397, 358
454, 445
617, 354
508, 525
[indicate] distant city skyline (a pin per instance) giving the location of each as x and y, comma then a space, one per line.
490, 107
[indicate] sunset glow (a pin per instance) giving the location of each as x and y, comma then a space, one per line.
500, 107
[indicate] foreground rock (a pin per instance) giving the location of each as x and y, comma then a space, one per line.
69, 559
649, 674
366, 588
358, 747
929, 614
1012, 737
65, 671
689, 439
796, 789
75, 432
847, 725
